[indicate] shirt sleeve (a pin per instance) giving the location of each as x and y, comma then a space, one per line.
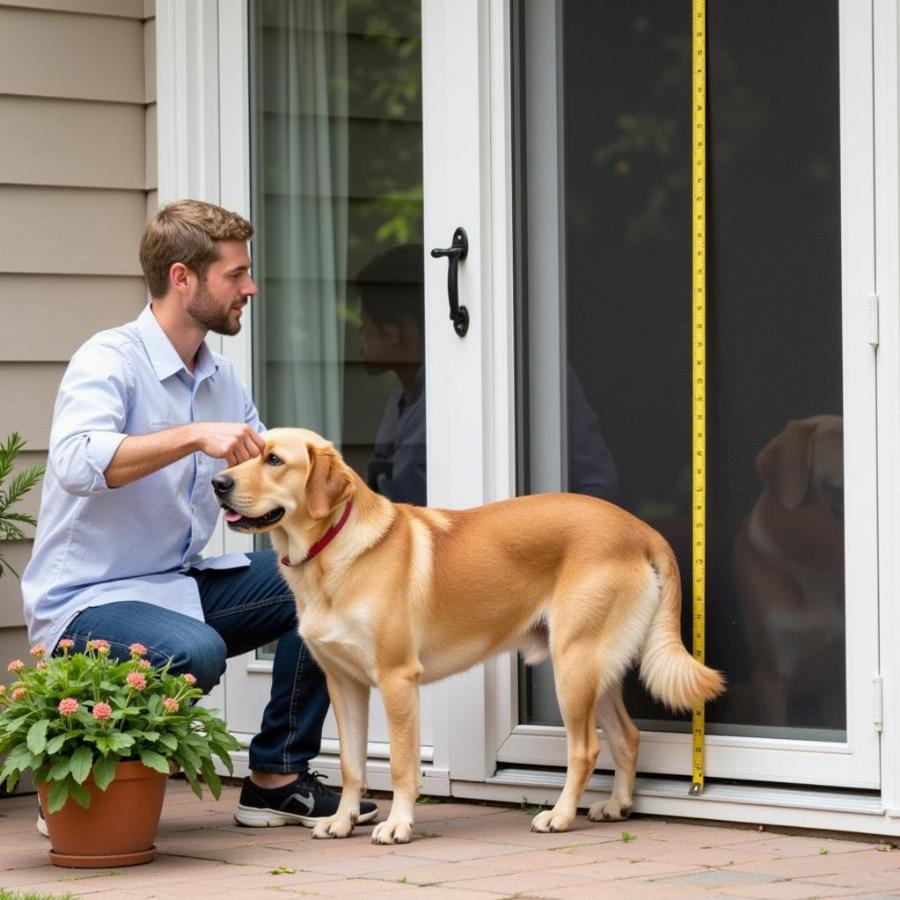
89, 418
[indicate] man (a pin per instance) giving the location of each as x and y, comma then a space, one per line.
146, 415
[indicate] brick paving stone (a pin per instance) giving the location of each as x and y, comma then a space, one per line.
514, 884
887, 880
789, 890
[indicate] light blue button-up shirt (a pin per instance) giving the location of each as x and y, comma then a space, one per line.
95, 544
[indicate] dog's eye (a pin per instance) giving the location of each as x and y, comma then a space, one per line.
273, 460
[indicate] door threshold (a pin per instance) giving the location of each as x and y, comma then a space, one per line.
788, 806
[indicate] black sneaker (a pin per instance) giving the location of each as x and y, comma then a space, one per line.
302, 802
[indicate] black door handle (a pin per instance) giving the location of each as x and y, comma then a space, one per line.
459, 249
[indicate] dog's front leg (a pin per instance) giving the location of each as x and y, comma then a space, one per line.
400, 692
350, 701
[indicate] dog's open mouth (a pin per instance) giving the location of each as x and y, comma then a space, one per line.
240, 522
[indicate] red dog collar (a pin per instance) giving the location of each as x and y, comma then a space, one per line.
323, 541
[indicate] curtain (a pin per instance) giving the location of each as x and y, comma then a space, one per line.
301, 149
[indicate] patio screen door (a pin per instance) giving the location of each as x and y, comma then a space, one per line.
363, 156
604, 313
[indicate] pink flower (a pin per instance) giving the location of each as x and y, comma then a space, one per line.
2, 688
68, 706
138, 650
145, 664
66, 644
171, 704
41, 665
136, 680
190, 679
18, 693
101, 646
15, 666
101, 711
38, 651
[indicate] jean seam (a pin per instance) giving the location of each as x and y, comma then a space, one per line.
292, 715
249, 607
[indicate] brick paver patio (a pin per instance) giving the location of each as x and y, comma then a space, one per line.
464, 851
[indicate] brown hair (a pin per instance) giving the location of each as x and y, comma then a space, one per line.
186, 231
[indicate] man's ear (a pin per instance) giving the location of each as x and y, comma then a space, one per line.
180, 277
328, 481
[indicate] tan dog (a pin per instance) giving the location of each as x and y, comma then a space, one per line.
395, 596
789, 570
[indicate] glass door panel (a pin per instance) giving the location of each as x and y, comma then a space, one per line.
604, 209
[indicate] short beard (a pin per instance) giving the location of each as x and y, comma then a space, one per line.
204, 310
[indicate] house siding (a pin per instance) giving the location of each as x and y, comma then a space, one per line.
77, 182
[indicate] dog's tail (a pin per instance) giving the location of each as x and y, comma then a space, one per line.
668, 671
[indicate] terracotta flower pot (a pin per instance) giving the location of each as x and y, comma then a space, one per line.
117, 829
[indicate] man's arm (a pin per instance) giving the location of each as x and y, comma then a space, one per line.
142, 454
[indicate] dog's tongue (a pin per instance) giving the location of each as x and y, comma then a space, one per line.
231, 516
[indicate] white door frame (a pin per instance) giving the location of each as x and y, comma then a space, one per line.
480, 705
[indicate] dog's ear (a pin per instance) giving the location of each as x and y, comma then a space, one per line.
328, 481
784, 463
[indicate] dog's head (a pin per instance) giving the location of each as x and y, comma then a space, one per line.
298, 477
805, 463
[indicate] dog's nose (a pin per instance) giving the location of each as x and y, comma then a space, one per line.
222, 484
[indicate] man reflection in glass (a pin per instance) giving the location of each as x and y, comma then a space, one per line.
391, 291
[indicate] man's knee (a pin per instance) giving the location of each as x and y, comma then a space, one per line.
203, 654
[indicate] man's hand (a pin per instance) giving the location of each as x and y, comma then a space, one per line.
142, 454
235, 443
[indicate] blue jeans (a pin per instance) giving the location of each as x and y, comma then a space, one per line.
244, 609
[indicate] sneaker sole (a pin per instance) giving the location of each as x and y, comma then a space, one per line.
253, 817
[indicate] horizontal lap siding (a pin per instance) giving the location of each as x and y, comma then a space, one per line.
77, 182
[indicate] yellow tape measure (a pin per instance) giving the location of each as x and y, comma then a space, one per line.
698, 359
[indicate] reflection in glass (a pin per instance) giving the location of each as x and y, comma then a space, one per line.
336, 188
775, 595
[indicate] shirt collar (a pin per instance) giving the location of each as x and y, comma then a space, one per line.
164, 357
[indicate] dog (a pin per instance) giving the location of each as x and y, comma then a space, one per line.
788, 565
394, 596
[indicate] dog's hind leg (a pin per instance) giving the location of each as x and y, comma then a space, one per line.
576, 688
623, 739
350, 701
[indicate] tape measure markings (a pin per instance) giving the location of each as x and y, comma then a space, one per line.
698, 398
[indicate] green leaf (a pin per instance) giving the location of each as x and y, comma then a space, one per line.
81, 764
81, 794
57, 795
60, 769
105, 771
55, 743
169, 741
119, 741
37, 736
154, 760
211, 778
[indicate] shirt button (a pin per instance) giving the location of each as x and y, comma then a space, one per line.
193, 508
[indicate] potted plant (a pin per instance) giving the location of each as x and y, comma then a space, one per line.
11, 522
101, 737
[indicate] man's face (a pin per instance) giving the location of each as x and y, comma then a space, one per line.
377, 347
219, 299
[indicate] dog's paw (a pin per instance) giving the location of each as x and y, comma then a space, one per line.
609, 811
392, 831
333, 827
550, 820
